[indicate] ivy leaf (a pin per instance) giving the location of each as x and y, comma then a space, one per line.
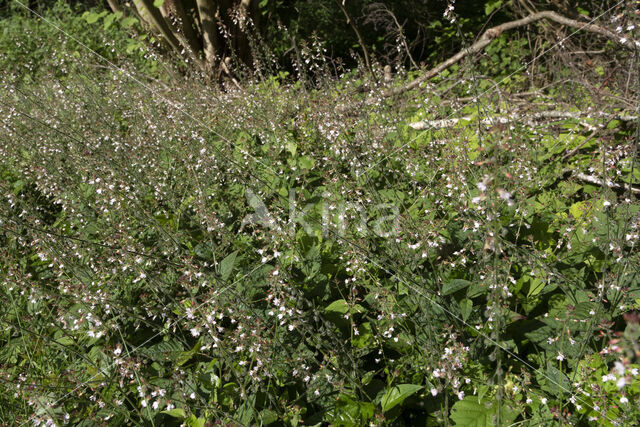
397, 394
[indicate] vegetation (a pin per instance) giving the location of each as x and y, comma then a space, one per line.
306, 243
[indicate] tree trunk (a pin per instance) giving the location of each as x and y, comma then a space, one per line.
208, 13
152, 16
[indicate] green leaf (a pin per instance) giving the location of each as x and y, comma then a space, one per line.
454, 286
108, 20
466, 306
338, 306
90, 17
491, 6
306, 162
469, 412
474, 412
192, 421
129, 21
176, 413
158, 3
227, 264
397, 394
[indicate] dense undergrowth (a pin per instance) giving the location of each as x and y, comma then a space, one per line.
286, 255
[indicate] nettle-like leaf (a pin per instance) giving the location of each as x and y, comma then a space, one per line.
475, 412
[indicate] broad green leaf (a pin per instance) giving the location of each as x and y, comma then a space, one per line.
474, 412
535, 287
397, 394
176, 413
470, 413
227, 264
306, 162
466, 306
192, 421
129, 21
92, 17
577, 209
365, 336
454, 286
158, 3
338, 306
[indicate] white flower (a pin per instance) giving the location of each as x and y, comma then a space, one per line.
624, 399
606, 203
434, 391
560, 357
543, 400
461, 395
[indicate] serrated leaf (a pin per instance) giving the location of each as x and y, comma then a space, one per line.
470, 413
397, 394
454, 286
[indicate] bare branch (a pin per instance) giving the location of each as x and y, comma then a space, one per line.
492, 33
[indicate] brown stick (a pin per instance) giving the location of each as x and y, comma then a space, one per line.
489, 35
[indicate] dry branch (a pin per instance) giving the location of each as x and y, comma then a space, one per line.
518, 117
492, 33
602, 183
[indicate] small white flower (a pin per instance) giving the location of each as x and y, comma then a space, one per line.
461, 395
543, 400
624, 399
434, 391
606, 203
560, 357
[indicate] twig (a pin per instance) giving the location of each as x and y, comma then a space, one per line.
492, 33
597, 181
575, 150
541, 115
